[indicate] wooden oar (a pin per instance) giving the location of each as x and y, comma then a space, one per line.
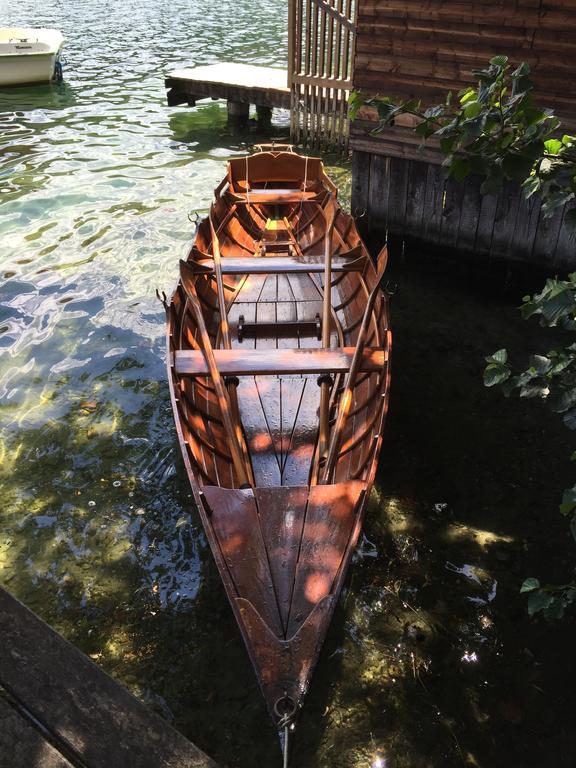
325, 386
346, 397
221, 393
225, 332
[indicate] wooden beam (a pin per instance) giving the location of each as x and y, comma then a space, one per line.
271, 362
279, 265
97, 722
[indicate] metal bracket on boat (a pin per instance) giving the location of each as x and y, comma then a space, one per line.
359, 213
325, 378
162, 298
193, 217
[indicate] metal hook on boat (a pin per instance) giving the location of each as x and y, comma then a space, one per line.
359, 213
391, 287
193, 217
285, 713
285, 709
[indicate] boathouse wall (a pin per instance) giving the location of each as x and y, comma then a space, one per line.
423, 49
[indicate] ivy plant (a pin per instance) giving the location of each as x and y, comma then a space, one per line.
495, 130
551, 377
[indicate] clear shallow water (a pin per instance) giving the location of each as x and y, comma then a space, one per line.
430, 660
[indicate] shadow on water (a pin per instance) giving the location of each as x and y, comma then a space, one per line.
434, 661
42, 96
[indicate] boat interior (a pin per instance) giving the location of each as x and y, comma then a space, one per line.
270, 348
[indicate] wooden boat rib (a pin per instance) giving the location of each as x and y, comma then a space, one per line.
258, 345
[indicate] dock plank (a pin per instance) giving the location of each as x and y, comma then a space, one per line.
100, 723
244, 83
22, 746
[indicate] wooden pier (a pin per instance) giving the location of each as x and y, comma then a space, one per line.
60, 710
239, 84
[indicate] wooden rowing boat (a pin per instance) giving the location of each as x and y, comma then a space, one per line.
279, 390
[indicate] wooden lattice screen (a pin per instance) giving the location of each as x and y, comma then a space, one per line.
320, 61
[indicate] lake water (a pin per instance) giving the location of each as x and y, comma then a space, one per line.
431, 661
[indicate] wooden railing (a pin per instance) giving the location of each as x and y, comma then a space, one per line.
320, 61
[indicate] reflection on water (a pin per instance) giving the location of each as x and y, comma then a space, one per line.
430, 661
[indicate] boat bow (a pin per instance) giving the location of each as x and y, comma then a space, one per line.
286, 550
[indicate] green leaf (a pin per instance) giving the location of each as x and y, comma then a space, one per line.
555, 610
538, 600
472, 109
435, 111
501, 356
517, 166
553, 146
447, 144
541, 364
386, 110
499, 61
460, 168
468, 95
522, 70
532, 185
495, 374
530, 584
424, 130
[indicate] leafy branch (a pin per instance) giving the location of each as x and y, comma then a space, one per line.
496, 131
551, 377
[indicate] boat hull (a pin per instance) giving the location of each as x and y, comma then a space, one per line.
283, 536
29, 56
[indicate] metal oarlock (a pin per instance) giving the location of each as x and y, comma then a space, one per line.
161, 296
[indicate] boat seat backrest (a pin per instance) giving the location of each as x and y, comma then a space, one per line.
279, 169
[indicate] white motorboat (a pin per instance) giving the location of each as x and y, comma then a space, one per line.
29, 55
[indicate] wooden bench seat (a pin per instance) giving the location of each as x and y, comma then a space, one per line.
270, 362
270, 265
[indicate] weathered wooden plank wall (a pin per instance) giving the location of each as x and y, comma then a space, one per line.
423, 49
412, 201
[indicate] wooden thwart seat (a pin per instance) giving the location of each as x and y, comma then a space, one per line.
271, 265
269, 362
273, 196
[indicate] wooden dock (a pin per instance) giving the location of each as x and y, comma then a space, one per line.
239, 84
60, 710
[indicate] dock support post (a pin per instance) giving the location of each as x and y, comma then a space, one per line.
238, 112
264, 116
